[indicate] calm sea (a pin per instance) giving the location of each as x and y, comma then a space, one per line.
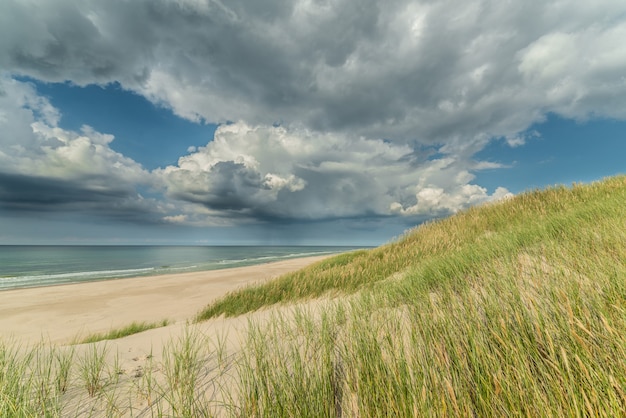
31, 266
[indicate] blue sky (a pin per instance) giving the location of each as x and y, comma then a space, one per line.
296, 122
565, 151
150, 134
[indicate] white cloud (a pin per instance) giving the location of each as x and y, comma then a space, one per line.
43, 165
33, 144
433, 201
581, 72
177, 219
272, 173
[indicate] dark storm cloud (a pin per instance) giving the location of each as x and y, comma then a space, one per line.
20, 192
425, 71
58, 41
23, 194
227, 187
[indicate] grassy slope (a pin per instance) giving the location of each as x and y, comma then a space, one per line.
516, 308
444, 251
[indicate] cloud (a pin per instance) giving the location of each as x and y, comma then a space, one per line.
352, 109
46, 168
424, 71
247, 174
272, 173
435, 201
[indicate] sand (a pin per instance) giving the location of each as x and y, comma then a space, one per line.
61, 313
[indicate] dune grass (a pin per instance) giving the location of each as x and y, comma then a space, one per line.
33, 379
444, 249
516, 308
130, 329
511, 309
83, 381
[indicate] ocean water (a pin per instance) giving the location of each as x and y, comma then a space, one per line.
32, 266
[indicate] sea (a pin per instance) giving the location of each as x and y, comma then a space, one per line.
35, 266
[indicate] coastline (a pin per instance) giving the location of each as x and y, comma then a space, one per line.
34, 266
60, 313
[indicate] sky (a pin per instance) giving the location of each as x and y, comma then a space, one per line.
296, 122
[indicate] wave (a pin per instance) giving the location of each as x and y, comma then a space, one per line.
274, 257
35, 279
58, 278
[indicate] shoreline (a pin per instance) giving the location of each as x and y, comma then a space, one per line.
34, 268
157, 274
60, 313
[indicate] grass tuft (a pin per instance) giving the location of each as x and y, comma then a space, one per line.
133, 328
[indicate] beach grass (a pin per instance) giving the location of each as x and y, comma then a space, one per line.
516, 308
92, 366
130, 329
442, 251
511, 309
33, 379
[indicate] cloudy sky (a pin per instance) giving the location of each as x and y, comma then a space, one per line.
296, 121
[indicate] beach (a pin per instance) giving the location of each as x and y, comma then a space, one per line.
60, 314
56, 318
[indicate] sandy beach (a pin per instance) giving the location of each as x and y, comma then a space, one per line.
58, 316
61, 313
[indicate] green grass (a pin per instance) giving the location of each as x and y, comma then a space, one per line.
510, 309
132, 328
445, 249
33, 379
92, 366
